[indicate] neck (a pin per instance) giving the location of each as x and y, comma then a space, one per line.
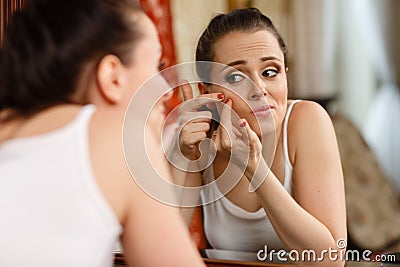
44, 121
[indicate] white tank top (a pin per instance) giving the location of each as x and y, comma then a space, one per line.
229, 227
52, 210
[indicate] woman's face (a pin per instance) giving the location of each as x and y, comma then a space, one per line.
256, 56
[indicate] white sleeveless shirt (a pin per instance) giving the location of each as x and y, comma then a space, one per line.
230, 227
52, 210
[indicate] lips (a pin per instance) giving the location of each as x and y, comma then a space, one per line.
262, 111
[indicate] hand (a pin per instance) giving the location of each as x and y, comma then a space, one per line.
238, 140
193, 122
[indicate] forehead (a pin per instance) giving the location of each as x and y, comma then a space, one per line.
149, 40
148, 47
148, 28
243, 45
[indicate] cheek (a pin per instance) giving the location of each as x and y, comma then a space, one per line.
241, 108
238, 104
228, 94
280, 91
280, 95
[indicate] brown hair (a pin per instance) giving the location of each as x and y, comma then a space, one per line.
48, 43
238, 20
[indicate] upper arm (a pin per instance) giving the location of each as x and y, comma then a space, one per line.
317, 172
185, 178
155, 235
154, 232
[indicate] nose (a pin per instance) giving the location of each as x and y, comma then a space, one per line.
257, 90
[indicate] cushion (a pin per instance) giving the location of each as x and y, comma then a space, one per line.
373, 206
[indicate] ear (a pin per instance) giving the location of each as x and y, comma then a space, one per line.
109, 78
203, 88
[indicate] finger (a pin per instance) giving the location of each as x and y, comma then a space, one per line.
243, 131
226, 125
200, 101
252, 137
237, 130
216, 137
192, 139
194, 127
237, 133
186, 90
195, 116
216, 96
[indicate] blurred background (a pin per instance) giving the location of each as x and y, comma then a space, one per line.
344, 54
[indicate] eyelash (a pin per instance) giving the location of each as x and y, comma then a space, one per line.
265, 73
232, 78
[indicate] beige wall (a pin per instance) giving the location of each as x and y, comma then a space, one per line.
190, 18
277, 11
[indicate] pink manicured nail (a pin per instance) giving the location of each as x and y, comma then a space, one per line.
220, 96
243, 124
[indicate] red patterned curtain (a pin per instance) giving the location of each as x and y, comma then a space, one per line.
160, 13
7, 7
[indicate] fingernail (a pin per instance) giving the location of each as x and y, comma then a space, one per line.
243, 124
228, 100
220, 96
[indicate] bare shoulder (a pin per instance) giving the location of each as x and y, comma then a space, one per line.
308, 115
108, 163
309, 125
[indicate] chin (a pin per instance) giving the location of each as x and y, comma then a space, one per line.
267, 131
264, 126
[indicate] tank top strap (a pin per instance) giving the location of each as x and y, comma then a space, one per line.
85, 114
287, 163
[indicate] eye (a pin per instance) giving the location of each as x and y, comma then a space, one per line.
234, 78
269, 73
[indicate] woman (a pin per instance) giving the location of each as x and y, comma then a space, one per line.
68, 72
297, 205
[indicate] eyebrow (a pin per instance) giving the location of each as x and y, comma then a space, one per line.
243, 62
234, 63
263, 59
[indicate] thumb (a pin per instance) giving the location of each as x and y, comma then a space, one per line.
186, 90
226, 124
